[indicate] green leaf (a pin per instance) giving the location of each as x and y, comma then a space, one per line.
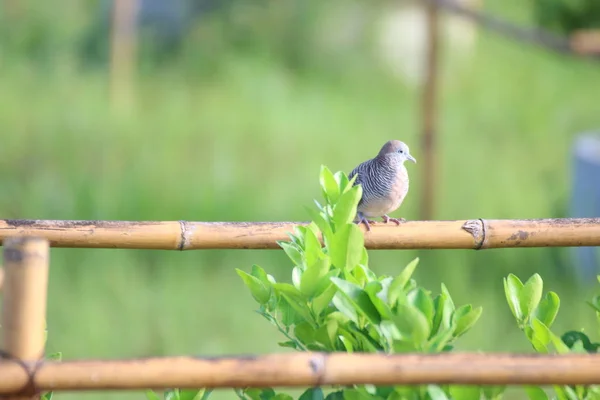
422, 300
411, 323
365, 342
512, 290
305, 332
541, 331
320, 220
297, 237
292, 252
312, 247
466, 322
439, 341
150, 394
260, 273
346, 247
448, 297
436, 393
444, 309
565, 393
389, 331
595, 303
407, 392
309, 283
57, 356
296, 277
295, 300
344, 210
348, 342
360, 275
342, 180
354, 394
47, 396
559, 345
282, 396
289, 344
539, 335
345, 306
359, 298
289, 316
312, 394
373, 289
571, 337
548, 309
493, 392
438, 304
535, 393
330, 188
327, 333
190, 394
172, 394
530, 295
321, 302
463, 392
400, 281
258, 290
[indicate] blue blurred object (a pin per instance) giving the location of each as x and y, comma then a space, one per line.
585, 197
166, 21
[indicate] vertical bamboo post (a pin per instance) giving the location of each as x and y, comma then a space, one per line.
429, 111
24, 301
122, 51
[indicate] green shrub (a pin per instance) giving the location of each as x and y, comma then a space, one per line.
336, 303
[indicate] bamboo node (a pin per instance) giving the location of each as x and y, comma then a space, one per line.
476, 228
317, 366
30, 388
185, 235
13, 248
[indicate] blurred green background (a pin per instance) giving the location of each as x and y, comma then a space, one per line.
233, 123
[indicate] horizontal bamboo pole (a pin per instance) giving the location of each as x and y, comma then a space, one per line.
307, 369
184, 235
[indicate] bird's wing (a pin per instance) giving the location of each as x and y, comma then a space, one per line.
360, 170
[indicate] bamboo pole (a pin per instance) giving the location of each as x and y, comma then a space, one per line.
123, 50
305, 369
183, 235
429, 113
24, 308
586, 42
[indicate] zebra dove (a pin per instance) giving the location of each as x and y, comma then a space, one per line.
384, 182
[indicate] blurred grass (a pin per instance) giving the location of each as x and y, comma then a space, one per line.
243, 141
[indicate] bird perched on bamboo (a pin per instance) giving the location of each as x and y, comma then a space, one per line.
384, 181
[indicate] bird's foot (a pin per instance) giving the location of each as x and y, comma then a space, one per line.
398, 221
366, 221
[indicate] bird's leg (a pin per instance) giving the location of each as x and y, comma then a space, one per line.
386, 219
361, 218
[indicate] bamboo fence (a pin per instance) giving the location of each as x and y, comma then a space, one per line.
24, 373
429, 112
305, 369
186, 235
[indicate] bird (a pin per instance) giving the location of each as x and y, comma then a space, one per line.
384, 181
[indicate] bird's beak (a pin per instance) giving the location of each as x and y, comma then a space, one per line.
411, 158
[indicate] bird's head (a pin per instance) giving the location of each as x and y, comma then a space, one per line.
397, 149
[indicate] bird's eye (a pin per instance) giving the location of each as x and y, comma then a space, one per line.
400, 151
